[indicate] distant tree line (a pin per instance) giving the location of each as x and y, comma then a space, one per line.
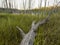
31, 3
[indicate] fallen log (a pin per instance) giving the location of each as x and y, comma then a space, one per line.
28, 38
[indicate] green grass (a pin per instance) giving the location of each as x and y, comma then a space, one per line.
9, 35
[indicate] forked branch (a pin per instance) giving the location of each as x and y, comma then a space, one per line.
29, 37
21, 31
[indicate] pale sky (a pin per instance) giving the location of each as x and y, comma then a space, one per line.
35, 3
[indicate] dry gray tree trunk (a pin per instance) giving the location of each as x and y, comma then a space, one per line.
28, 38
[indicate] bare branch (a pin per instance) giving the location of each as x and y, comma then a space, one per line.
21, 31
28, 39
43, 21
33, 25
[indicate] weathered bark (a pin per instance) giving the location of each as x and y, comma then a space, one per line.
28, 38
